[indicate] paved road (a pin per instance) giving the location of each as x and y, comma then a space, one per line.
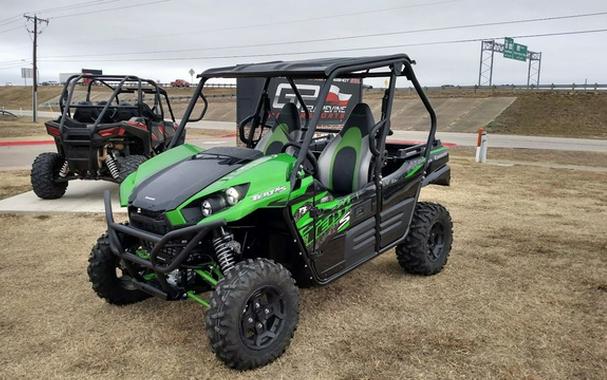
512, 141
22, 156
469, 139
18, 157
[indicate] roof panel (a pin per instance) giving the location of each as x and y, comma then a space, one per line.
322, 67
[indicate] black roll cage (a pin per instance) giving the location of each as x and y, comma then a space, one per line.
65, 101
398, 66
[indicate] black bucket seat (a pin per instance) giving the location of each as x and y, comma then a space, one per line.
343, 165
286, 129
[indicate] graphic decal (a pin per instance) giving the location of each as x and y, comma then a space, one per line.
332, 217
335, 97
265, 194
343, 95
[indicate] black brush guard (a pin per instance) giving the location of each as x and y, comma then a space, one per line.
166, 291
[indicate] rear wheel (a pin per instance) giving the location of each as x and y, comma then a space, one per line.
128, 164
428, 243
45, 176
108, 279
253, 315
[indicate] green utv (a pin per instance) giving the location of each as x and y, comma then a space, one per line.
300, 205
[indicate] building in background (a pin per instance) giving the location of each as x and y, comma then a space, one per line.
63, 77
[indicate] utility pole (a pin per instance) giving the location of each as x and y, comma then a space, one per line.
35, 20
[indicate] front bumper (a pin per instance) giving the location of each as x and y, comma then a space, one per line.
118, 232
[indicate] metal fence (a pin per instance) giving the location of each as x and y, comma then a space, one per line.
514, 88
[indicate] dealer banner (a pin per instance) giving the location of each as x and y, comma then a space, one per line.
343, 95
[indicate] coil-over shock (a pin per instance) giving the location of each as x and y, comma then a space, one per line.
110, 162
225, 248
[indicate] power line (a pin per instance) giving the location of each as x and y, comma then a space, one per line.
11, 29
109, 9
249, 26
84, 4
11, 61
444, 42
14, 66
88, 3
10, 20
411, 31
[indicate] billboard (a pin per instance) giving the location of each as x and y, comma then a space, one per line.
92, 71
343, 95
27, 72
63, 77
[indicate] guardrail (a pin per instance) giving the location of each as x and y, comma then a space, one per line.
512, 87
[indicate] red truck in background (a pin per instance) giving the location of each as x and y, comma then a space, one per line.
180, 83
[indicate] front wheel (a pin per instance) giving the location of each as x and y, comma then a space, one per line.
108, 279
253, 314
45, 176
426, 248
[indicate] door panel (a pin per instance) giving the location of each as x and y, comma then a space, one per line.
345, 232
394, 221
360, 242
397, 209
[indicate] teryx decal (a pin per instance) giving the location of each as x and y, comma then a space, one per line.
268, 193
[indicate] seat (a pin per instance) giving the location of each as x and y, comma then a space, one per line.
147, 112
343, 166
286, 129
85, 114
124, 112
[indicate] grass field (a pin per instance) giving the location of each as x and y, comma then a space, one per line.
21, 127
16, 97
555, 114
524, 295
14, 182
545, 113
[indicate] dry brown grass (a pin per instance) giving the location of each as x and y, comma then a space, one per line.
14, 182
524, 295
579, 114
21, 127
594, 159
15, 97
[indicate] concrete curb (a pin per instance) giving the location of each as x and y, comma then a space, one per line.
25, 142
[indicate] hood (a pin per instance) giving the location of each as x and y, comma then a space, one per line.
171, 186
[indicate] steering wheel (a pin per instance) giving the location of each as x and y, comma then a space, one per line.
309, 155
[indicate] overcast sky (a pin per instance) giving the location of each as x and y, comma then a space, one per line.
133, 36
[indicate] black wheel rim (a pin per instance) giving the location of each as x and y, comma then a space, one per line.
436, 242
263, 318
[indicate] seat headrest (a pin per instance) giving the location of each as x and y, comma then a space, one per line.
289, 115
361, 117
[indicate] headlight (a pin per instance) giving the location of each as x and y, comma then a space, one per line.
232, 196
212, 204
207, 209
216, 202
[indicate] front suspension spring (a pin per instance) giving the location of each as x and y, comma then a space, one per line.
224, 250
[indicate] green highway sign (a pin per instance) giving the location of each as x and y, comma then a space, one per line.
513, 50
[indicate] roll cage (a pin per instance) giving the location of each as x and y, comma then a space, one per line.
323, 69
118, 84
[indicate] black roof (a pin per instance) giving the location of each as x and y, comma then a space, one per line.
321, 67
